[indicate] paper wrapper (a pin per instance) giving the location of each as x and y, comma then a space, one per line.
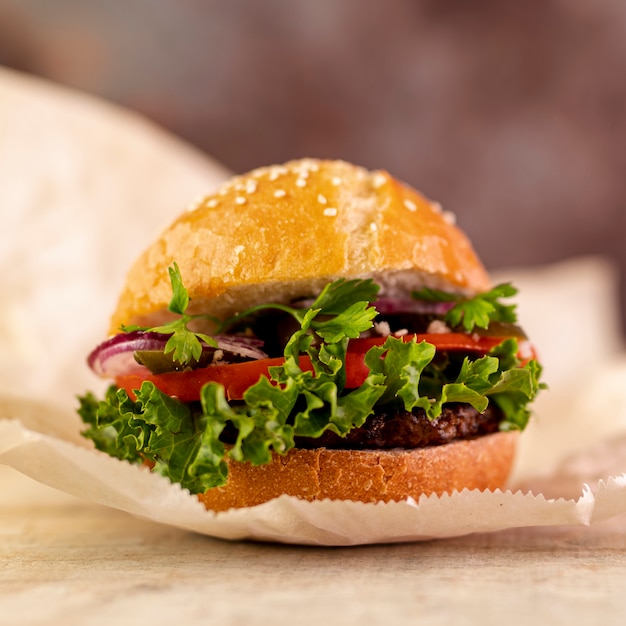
94, 185
58, 462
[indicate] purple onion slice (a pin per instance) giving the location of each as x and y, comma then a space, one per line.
389, 306
116, 356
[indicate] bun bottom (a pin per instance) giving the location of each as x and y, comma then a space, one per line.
369, 475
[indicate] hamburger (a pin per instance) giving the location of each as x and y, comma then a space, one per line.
317, 330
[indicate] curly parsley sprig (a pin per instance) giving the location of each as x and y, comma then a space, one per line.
479, 310
184, 344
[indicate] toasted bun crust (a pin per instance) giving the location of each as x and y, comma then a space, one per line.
368, 475
285, 231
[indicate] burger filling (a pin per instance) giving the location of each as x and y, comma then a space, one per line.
343, 369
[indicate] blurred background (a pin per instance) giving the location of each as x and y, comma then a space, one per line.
511, 114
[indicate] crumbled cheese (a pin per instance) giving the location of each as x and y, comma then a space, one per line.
382, 328
438, 327
401, 333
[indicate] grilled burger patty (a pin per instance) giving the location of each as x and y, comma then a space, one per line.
412, 429
404, 429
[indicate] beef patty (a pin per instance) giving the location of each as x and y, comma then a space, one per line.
412, 429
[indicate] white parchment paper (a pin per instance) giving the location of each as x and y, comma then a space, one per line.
84, 187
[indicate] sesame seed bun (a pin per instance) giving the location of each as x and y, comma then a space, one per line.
285, 231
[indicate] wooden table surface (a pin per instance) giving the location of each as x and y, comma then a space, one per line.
65, 561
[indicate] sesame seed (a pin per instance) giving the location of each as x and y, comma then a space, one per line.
330, 212
410, 205
276, 172
379, 180
373, 227
436, 207
301, 182
239, 249
336, 181
251, 186
196, 204
212, 203
240, 200
280, 193
322, 199
449, 217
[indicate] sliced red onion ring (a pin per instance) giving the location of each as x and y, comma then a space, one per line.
243, 346
388, 306
115, 356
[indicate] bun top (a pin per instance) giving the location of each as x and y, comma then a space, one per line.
284, 231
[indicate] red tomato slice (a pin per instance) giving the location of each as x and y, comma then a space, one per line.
237, 377
450, 342
185, 386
